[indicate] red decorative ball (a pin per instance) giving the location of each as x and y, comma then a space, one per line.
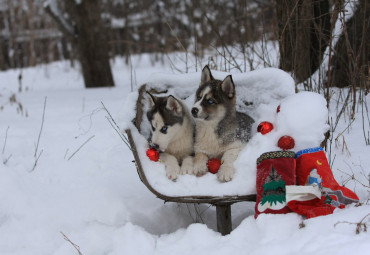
264, 127
286, 142
152, 154
213, 164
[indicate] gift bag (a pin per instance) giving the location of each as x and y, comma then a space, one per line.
275, 170
319, 193
313, 168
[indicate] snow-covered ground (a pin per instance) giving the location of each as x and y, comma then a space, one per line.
85, 189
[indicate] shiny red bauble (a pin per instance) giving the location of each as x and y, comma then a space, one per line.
286, 142
264, 127
213, 164
152, 154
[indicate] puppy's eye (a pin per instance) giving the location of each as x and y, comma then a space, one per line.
210, 101
164, 129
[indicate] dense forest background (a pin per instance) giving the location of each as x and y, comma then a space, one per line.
31, 36
92, 32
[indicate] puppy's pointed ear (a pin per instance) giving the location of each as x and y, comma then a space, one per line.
174, 106
206, 75
152, 100
228, 87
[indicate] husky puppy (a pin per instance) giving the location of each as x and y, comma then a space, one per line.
221, 131
172, 133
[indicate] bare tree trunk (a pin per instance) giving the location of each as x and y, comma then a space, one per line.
351, 60
92, 47
85, 30
2, 54
30, 52
304, 30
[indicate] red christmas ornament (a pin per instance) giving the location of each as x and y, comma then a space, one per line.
213, 164
286, 142
152, 154
264, 127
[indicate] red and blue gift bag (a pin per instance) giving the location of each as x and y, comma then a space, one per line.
318, 192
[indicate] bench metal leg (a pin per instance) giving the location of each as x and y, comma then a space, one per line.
224, 224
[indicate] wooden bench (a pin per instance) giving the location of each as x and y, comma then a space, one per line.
222, 203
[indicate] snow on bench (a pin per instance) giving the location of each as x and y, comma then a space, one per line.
258, 93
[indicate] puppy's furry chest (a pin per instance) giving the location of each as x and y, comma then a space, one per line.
208, 141
181, 148
182, 144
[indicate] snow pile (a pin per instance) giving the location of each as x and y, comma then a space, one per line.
302, 116
98, 201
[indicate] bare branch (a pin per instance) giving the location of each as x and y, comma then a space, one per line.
82, 145
6, 137
236, 65
37, 157
114, 125
73, 244
36, 160
360, 226
42, 125
5, 161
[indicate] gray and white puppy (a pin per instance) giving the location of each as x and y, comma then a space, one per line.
221, 131
172, 133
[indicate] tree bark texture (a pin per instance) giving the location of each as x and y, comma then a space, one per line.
90, 42
350, 62
2, 55
85, 30
304, 30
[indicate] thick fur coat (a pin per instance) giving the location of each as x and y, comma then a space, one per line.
221, 131
172, 133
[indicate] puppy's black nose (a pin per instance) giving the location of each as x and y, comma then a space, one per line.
155, 146
194, 111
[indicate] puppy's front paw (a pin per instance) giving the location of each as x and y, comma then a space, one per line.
200, 167
187, 166
225, 173
172, 171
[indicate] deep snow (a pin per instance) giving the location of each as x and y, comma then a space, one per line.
97, 200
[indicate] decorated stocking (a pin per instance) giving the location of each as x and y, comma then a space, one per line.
325, 195
274, 170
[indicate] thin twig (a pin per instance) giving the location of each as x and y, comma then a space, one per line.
333, 20
37, 157
42, 125
360, 226
123, 138
5, 161
132, 87
182, 46
288, 20
82, 145
114, 125
65, 154
90, 115
215, 30
6, 137
352, 177
36, 160
73, 244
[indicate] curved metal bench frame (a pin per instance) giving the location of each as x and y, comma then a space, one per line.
222, 203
